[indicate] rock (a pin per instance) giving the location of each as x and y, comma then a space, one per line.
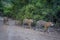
5, 20
17, 22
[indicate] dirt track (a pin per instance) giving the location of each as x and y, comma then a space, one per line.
12, 32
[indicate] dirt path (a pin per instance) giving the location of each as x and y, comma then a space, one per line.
12, 32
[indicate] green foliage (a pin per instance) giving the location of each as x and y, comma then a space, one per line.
35, 9
1, 8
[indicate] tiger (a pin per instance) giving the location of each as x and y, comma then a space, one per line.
28, 22
42, 23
